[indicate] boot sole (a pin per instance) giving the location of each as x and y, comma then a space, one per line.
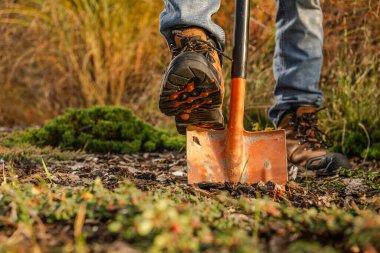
191, 92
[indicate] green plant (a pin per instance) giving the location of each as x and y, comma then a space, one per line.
102, 130
352, 118
171, 220
46, 171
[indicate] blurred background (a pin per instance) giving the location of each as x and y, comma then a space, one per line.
57, 54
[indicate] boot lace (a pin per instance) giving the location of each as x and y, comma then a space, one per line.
308, 131
195, 44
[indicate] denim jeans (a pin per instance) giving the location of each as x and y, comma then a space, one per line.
298, 57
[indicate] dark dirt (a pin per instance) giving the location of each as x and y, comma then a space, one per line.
151, 170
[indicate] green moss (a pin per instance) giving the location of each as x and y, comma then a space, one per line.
102, 130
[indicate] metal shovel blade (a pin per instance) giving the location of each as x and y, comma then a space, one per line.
263, 157
235, 155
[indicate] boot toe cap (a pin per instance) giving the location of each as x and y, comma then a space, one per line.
328, 164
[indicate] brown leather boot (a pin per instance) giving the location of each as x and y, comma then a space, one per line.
306, 144
193, 86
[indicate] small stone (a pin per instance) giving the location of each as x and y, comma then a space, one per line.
293, 172
161, 178
132, 170
55, 179
179, 174
355, 186
74, 178
77, 166
87, 181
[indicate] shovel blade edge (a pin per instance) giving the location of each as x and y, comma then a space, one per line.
264, 157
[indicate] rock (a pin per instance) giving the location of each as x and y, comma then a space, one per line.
179, 174
87, 181
355, 186
293, 172
132, 170
77, 166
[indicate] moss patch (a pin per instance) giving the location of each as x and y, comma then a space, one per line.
102, 130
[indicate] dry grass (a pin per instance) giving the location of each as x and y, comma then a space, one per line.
79, 53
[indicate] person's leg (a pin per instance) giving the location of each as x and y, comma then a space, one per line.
297, 69
298, 56
193, 87
180, 14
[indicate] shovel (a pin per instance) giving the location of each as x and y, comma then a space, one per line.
235, 155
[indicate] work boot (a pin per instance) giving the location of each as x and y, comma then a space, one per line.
306, 143
193, 86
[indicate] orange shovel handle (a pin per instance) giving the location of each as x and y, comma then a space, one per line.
236, 119
235, 139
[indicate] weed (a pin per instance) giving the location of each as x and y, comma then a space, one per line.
46, 171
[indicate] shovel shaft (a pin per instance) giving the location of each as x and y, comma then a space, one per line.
241, 39
239, 66
234, 150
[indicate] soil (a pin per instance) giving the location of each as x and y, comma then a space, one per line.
151, 170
